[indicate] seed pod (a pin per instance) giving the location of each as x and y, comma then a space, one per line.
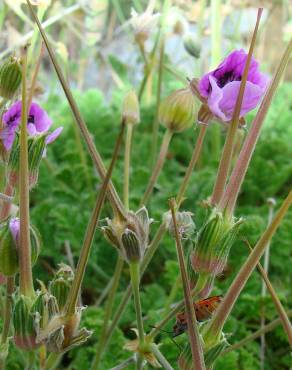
10, 77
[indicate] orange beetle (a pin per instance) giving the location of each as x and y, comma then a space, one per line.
203, 309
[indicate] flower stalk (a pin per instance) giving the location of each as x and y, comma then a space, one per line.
107, 314
193, 332
226, 157
163, 361
158, 167
236, 179
85, 251
25, 267
127, 164
214, 327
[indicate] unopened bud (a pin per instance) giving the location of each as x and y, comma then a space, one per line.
130, 109
10, 244
192, 47
36, 146
28, 318
178, 111
10, 77
213, 244
61, 284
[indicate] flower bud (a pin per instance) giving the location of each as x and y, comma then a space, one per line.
10, 244
185, 224
61, 284
129, 236
130, 109
10, 77
28, 318
192, 47
36, 147
213, 243
177, 112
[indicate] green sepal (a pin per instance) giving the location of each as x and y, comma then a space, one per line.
10, 77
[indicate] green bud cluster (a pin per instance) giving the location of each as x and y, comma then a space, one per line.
129, 236
61, 284
130, 109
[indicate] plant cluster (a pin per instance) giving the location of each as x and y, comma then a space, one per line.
43, 317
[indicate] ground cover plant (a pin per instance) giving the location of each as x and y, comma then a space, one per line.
136, 214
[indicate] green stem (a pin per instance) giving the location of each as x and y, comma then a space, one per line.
155, 125
25, 267
127, 164
108, 313
7, 199
256, 334
158, 167
112, 194
214, 327
83, 260
195, 156
135, 281
193, 330
163, 361
226, 158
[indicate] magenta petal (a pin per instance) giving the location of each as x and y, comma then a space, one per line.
252, 97
215, 99
7, 135
53, 136
42, 121
14, 226
31, 129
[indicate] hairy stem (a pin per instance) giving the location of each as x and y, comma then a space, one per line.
158, 167
107, 313
25, 267
87, 243
226, 157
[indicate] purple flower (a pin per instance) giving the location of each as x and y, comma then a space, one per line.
38, 123
221, 86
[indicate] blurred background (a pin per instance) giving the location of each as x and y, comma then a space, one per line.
97, 45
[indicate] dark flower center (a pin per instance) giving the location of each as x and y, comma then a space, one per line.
12, 119
30, 119
228, 76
